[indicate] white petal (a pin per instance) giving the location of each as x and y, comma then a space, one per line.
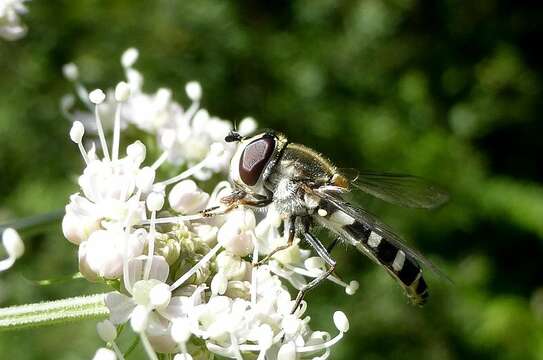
159, 269
287, 352
180, 330
106, 330
120, 307
104, 354
341, 321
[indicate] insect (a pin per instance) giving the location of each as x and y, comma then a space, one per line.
308, 190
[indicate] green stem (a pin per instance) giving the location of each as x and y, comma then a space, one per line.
132, 347
32, 221
54, 312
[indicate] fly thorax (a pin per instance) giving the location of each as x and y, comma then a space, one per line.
288, 198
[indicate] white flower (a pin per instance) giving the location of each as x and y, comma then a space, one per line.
152, 112
206, 232
11, 27
81, 219
105, 250
232, 266
87, 117
108, 198
205, 296
235, 326
151, 306
237, 233
185, 197
185, 135
14, 246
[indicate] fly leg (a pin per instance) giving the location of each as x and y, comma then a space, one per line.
231, 202
291, 234
332, 245
323, 253
234, 200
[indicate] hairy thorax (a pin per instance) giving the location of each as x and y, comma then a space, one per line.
300, 168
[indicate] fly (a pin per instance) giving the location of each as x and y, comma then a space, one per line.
308, 190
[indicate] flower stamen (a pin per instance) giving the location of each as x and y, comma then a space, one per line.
97, 97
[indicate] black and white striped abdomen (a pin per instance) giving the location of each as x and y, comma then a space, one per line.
384, 252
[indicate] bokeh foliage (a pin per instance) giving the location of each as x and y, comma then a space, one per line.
443, 89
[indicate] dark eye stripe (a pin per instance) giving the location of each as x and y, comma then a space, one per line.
254, 158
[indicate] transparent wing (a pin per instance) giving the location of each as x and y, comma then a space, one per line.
383, 230
404, 190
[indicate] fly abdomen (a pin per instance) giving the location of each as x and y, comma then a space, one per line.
396, 261
384, 252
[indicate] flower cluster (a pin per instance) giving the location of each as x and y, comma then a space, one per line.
11, 27
187, 284
185, 135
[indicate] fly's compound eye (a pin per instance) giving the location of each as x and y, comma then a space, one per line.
254, 158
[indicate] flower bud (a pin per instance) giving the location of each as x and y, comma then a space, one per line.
155, 201
168, 248
341, 322
106, 330
77, 131
194, 90
137, 151
104, 354
186, 197
129, 57
122, 92
97, 96
70, 71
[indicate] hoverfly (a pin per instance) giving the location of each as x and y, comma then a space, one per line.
308, 190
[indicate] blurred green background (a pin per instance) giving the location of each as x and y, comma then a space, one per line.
447, 90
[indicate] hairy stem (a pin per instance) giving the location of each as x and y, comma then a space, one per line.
53, 312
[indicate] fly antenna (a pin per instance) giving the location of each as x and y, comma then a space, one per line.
233, 136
